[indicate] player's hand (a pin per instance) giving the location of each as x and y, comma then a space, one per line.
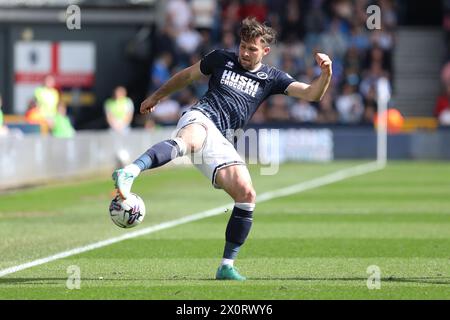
148, 105
324, 62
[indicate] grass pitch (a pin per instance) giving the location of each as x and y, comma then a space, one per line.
313, 245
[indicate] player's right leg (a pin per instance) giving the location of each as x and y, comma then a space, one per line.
236, 181
189, 138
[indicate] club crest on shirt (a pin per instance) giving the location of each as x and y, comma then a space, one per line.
262, 75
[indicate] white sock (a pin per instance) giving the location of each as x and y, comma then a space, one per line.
133, 169
227, 262
182, 145
245, 206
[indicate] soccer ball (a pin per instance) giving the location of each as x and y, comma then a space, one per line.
127, 213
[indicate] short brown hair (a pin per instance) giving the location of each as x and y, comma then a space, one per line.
252, 29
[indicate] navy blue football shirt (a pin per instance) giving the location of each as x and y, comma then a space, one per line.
235, 93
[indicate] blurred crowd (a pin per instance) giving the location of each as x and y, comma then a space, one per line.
46, 110
192, 28
360, 56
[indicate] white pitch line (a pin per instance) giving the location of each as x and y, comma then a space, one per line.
297, 188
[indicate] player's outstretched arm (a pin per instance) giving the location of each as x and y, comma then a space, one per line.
178, 81
316, 90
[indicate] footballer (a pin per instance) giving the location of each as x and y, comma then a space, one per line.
238, 84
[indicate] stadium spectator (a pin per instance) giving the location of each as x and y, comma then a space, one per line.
167, 113
360, 12
378, 56
369, 114
303, 111
231, 14
47, 98
334, 41
359, 38
161, 70
315, 21
255, 8
442, 108
278, 109
187, 98
187, 41
289, 64
260, 116
446, 26
293, 48
389, 16
33, 115
204, 12
444, 117
382, 39
61, 126
349, 105
228, 41
370, 106
370, 78
119, 110
445, 73
327, 113
353, 59
352, 76
205, 45
343, 10
308, 75
165, 38
290, 21
179, 15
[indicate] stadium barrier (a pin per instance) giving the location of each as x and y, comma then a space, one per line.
35, 159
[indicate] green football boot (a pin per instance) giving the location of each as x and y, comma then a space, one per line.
123, 181
227, 272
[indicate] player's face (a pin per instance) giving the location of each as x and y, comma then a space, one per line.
251, 53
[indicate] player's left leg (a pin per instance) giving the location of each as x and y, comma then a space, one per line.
236, 181
190, 137
158, 155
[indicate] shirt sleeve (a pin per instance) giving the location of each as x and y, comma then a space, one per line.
209, 61
282, 81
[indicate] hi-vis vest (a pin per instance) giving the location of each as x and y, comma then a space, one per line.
119, 108
47, 101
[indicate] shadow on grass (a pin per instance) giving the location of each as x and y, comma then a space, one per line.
422, 280
47, 281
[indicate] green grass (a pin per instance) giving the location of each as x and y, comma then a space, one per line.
313, 245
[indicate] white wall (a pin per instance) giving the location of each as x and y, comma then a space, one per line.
35, 159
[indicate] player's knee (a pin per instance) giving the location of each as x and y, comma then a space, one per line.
247, 194
194, 136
